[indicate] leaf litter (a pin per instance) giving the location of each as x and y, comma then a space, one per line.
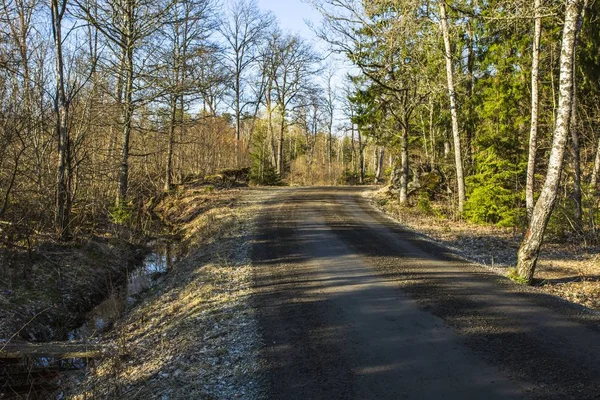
568, 270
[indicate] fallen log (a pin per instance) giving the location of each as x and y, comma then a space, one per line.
58, 350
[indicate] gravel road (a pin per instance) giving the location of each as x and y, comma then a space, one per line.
352, 306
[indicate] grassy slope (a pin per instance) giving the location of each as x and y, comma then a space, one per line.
194, 335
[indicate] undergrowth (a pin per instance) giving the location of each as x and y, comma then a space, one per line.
514, 276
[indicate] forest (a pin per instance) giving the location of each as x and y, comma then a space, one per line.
487, 106
486, 111
128, 122
106, 104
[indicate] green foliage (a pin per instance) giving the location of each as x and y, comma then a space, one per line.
493, 198
122, 214
430, 185
262, 172
382, 201
424, 205
588, 55
493, 205
514, 276
562, 221
496, 188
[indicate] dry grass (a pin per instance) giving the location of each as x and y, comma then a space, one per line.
571, 271
194, 336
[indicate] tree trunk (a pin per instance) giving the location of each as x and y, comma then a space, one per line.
114, 133
433, 160
238, 124
361, 159
535, 69
171, 145
341, 158
530, 247
354, 169
126, 129
375, 157
280, 157
469, 126
379, 169
576, 160
393, 169
404, 166
460, 180
447, 148
329, 151
575, 152
178, 81
270, 130
62, 196
595, 170
63, 208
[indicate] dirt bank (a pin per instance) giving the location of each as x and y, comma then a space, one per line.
194, 334
45, 292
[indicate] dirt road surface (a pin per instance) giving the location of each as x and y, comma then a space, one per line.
352, 306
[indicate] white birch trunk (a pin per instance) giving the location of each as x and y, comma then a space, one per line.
460, 179
379, 169
404, 167
535, 62
530, 247
595, 170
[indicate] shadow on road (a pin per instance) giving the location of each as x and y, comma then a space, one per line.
353, 306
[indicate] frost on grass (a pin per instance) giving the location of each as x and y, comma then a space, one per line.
566, 270
195, 336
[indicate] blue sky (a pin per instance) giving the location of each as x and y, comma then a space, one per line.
291, 15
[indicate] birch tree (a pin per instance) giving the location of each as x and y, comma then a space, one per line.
460, 179
530, 247
535, 69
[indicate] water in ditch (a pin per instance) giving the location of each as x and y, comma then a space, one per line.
40, 377
141, 279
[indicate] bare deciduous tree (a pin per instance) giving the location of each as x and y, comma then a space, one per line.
243, 28
127, 24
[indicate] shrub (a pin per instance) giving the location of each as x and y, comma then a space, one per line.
263, 173
492, 198
424, 205
515, 277
349, 178
122, 214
